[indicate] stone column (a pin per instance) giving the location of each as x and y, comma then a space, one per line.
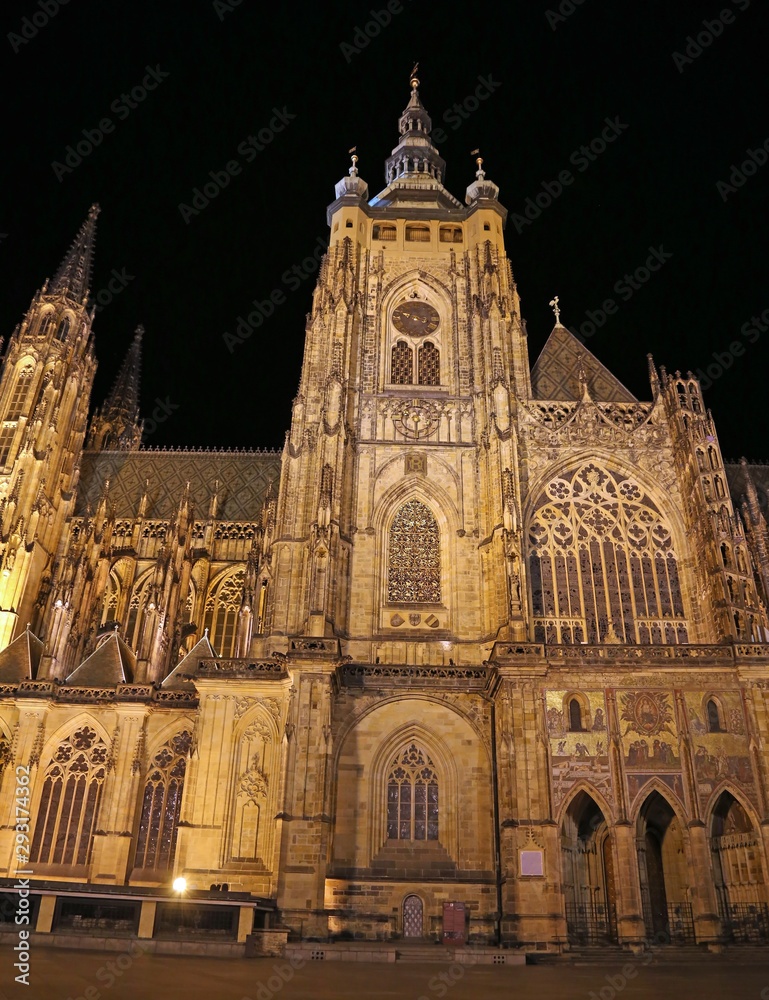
112, 845
707, 924
306, 820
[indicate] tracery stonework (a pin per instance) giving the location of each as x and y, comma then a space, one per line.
602, 562
414, 570
412, 796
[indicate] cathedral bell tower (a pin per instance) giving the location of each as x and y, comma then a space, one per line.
398, 522
45, 389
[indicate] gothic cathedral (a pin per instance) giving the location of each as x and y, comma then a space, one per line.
485, 633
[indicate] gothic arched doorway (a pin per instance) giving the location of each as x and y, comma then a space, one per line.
587, 873
663, 873
413, 917
738, 872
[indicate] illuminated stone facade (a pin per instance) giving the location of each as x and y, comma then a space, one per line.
484, 632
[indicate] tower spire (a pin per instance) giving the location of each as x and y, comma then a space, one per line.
74, 275
415, 156
116, 424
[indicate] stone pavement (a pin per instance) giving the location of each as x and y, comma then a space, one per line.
67, 975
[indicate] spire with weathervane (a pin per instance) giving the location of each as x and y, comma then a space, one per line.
116, 425
415, 157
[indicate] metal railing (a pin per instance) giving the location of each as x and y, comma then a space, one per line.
681, 923
590, 923
744, 923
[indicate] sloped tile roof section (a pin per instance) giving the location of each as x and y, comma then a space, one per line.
181, 675
20, 660
555, 374
242, 476
110, 664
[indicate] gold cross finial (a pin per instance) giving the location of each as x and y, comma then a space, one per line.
414, 79
556, 309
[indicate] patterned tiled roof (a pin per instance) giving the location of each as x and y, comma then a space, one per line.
555, 374
243, 478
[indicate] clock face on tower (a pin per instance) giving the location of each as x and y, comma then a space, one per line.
417, 319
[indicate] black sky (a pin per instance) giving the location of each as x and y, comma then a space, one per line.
655, 185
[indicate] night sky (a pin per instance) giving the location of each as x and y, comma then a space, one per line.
223, 71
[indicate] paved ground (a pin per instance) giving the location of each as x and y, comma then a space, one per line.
61, 975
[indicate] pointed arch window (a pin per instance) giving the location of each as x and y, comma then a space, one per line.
603, 564
61, 333
111, 601
69, 804
429, 364
414, 574
20, 393
158, 826
412, 796
714, 718
136, 608
402, 364
47, 322
221, 614
575, 716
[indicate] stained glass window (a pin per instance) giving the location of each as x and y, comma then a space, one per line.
221, 615
156, 843
402, 364
415, 565
69, 805
429, 364
603, 564
412, 796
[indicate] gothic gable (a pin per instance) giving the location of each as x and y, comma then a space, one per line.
555, 374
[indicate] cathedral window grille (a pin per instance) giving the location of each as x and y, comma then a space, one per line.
412, 796
415, 565
69, 804
63, 329
20, 393
221, 613
429, 364
402, 364
156, 841
603, 564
